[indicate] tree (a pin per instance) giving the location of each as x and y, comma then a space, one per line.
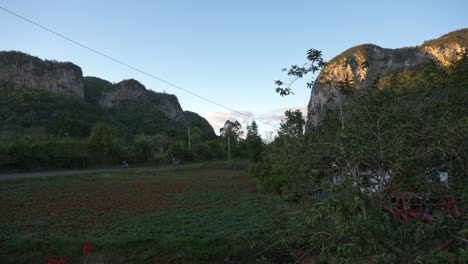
400, 134
232, 130
68, 123
254, 142
143, 149
196, 132
282, 158
102, 138
292, 127
315, 63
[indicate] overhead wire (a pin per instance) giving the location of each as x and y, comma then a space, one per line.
130, 66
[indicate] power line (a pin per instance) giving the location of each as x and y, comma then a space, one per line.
129, 66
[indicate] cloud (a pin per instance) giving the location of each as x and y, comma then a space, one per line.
218, 118
273, 117
277, 114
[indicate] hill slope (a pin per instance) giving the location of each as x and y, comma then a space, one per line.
379, 62
47, 97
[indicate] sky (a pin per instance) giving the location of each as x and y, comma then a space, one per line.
229, 52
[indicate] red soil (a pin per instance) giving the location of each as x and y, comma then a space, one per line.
100, 197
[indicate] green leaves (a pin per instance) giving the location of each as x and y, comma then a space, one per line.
400, 135
232, 129
314, 64
283, 91
102, 138
254, 142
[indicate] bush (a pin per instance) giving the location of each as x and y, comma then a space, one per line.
63, 154
21, 153
179, 151
142, 150
26, 153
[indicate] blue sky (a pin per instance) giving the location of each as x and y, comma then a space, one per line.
227, 51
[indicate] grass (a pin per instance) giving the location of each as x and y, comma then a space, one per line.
191, 215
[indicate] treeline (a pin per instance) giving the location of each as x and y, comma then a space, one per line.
105, 146
44, 114
42, 130
404, 134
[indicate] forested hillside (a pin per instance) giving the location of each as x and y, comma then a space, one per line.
50, 113
406, 135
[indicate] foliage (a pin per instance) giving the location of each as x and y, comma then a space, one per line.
36, 119
282, 158
135, 118
27, 153
402, 134
292, 127
26, 110
459, 36
254, 142
102, 138
44, 116
232, 136
209, 150
315, 63
179, 151
67, 123
232, 130
93, 88
143, 149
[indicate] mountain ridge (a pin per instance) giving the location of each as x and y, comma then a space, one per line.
380, 62
19, 70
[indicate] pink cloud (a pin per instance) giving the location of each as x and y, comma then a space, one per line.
273, 117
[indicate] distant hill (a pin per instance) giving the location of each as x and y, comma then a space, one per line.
47, 97
380, 62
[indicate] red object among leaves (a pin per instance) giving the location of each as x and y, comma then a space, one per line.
56, 261
86, 248
404, 206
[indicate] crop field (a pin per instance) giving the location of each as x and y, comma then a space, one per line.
175, 215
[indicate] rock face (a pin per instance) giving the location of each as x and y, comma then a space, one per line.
20, 70
369, 62
131, 90
122, 92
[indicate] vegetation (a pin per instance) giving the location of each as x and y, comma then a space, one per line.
459, 36
254, 142
402, 134
46, 130
93, 88
189, 214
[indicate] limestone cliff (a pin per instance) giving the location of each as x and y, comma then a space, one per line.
122, 92
366, 63
131, 90
20, 70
